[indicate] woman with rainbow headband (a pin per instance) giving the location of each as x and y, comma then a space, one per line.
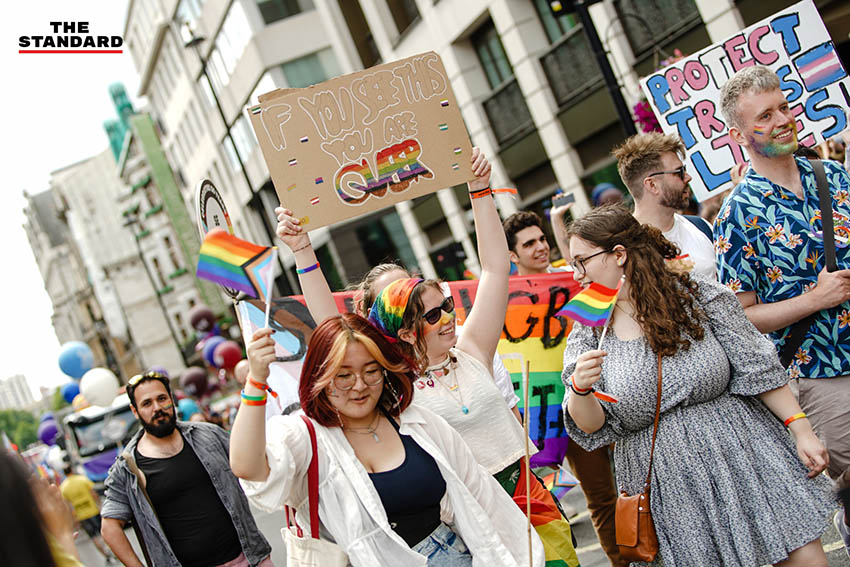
456, 380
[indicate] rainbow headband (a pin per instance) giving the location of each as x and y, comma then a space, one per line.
388, 310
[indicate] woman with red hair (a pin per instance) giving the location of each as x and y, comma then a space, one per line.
397, 485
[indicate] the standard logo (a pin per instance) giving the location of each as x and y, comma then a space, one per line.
70, 37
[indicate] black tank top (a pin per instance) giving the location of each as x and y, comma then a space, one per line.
411, 493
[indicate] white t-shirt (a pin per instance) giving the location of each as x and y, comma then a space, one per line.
695, 244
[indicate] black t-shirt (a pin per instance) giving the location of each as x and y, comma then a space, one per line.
196, 523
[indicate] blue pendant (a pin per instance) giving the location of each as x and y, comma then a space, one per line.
464, 409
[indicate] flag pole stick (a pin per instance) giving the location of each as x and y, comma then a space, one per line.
525, 417
269, 287
611, 314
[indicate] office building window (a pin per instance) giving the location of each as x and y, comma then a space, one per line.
265, 85
492, 55
652, 22
230, 153
555, 26
229, 44
189, 11
243, 135
206, 88
311, 69
404, 13
274, 10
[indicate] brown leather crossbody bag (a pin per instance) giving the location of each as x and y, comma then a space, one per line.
635, 531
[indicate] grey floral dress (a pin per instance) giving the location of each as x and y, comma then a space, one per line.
727, 485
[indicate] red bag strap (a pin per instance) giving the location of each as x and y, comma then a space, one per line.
654, 428
313, 480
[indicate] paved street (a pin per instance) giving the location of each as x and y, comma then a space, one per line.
589, 551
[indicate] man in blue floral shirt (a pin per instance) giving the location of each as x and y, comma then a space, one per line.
769, 246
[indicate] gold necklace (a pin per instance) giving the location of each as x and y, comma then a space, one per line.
369, 429
444, 370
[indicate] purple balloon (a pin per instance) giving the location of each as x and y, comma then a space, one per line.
48, 432
209, 349
46, 417
193, 381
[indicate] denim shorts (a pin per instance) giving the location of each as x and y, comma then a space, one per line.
444, 548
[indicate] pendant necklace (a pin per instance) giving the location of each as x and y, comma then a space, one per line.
368, 430
444, 370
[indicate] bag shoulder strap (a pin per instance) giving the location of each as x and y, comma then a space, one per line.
702, 225
654, 428
313, 480
801, 327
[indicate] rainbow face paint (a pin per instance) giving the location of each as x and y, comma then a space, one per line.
769, 146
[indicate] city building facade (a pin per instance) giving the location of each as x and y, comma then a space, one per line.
529, 89
15, 393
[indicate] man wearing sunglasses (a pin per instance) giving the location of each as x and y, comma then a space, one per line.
651, 167
173, 480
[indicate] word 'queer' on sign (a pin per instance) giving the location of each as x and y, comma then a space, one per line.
364, 141
795, 44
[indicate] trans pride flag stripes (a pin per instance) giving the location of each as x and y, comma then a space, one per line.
235, 263
819, 67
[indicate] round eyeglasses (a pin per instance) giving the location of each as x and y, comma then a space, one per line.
371, 377
579, 264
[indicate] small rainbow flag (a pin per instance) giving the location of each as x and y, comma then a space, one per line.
236, 263
560, 482
592, 306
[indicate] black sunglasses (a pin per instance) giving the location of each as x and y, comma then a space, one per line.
433, 315
679, 172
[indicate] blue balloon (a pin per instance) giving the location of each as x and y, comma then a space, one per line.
188, 408
46, 417
75, 359
209, 349
70, 391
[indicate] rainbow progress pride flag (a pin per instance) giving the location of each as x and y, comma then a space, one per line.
236, 263
592, 306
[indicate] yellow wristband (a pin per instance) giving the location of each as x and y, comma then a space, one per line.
794, 418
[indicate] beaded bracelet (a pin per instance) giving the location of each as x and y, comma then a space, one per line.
794, 418
308, 269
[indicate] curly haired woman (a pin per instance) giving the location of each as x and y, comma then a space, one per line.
727, 486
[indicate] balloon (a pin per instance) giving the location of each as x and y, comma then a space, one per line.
75, 359
56, 458
209, 349
227, 354
48, 432
160, 370
80, 402
201, 318
179, 395
46, 416
70, 391
188, 408
99, 386
193, 380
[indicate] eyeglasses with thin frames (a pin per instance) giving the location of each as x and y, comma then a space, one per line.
679, 172
370, 377
578, 264
434, 315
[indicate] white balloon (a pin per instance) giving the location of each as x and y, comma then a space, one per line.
99, 386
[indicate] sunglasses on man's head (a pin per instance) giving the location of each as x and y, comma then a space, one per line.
434, 315
132, 382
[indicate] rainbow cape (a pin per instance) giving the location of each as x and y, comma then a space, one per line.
235, 263
592, 306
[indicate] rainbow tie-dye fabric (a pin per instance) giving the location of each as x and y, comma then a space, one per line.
388, 310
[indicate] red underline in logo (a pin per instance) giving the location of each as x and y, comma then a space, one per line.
70, 51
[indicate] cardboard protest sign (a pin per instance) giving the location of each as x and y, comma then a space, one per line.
364, 141
795, 44
531, 329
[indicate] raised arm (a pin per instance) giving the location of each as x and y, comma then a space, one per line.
559, 230
248, 435
483, 326
317, 293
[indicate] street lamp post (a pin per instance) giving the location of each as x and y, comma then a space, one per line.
131, 221
193, 41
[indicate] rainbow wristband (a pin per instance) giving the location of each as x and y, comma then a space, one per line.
794, 418
308, 269
254, 400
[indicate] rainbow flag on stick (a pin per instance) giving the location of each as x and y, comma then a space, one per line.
592, 306
235, 263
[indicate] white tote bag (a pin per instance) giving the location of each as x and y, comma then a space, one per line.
310, 551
